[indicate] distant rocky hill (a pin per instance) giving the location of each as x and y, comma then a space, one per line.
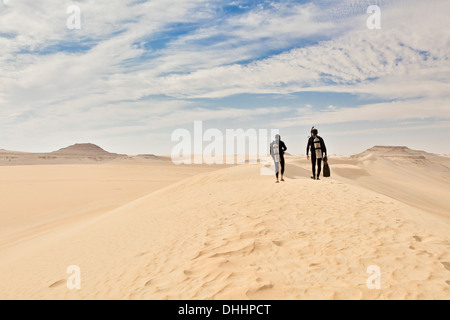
392, 151
84, 150
78, 153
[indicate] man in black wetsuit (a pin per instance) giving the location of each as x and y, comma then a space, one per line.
318, 151
277, 149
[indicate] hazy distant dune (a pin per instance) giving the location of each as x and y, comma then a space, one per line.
391, 151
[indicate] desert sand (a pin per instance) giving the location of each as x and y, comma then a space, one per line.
143, 228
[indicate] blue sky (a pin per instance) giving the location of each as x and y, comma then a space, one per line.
138, 70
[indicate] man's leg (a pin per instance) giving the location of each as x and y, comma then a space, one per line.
277, 169
313, 160
282, 167
319, 169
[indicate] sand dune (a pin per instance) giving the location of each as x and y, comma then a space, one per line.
39, 199
234, 234
414, 177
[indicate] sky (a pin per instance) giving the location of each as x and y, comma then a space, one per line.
138, 70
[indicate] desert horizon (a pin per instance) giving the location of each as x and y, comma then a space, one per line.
89, 149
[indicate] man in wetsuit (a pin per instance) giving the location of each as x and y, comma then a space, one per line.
277, 149
318, 151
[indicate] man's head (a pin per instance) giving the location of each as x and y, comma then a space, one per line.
314, 132
277, 137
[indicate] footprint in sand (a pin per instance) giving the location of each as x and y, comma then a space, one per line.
188, 273
141, 254
418, 239
57, 284
446, 265
278, 243
260, 289
148, 283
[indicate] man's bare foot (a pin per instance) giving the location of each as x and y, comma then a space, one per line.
282, 180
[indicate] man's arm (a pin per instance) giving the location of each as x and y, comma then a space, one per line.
308, 146
324, 148
283, 147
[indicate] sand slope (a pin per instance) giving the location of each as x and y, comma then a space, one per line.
233, 234
414, 177
41, 199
